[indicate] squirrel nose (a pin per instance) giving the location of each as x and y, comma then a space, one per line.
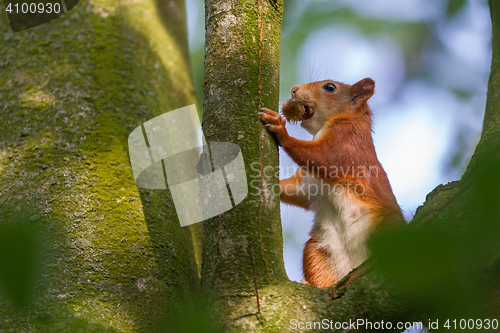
294, 90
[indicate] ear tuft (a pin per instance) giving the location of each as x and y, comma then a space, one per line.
362, 91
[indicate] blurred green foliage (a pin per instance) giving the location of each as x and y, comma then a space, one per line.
184, 319
20, 255
449, 264
455, 6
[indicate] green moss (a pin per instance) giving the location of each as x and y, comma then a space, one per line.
239, 238
75, 168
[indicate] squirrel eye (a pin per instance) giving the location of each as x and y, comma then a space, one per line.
329, 87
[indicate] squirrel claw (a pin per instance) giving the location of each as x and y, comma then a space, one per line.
269, 111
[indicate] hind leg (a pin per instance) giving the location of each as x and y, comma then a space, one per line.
315, 265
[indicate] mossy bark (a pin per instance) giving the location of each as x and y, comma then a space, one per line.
71, 91
243, 247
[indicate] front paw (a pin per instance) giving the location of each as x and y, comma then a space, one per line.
275, 123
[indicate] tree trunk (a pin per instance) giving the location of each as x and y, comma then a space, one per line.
114, 258
243, 248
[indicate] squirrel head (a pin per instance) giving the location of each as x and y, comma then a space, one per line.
314, 103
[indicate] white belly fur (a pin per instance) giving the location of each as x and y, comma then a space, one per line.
341, 226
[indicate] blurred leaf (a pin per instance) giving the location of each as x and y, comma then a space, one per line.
186, 319
19, 249
454, 6
484, 229
409, 256
443, 264
487, 189
429, 266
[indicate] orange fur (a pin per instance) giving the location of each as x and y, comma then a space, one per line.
343, 126
290, 190
315, 265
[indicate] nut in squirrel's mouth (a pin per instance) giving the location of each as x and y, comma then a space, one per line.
296, 110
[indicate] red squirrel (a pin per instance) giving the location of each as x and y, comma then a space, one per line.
339, 178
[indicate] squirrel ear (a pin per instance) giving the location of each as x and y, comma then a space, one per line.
362, 90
